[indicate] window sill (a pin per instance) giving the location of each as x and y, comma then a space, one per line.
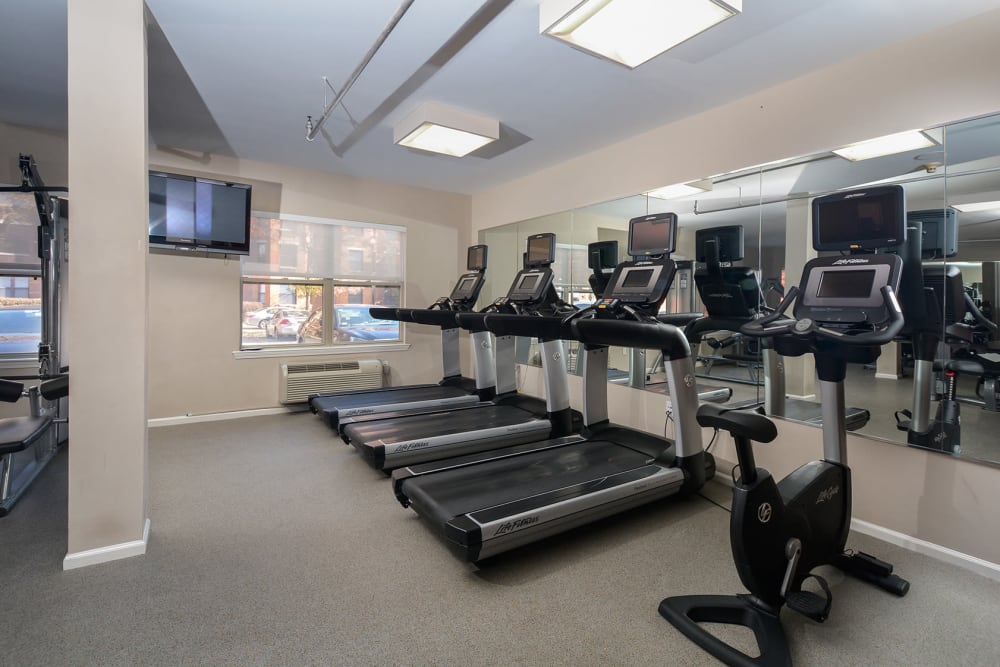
316, 351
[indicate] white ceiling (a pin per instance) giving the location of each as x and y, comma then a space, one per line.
239, 77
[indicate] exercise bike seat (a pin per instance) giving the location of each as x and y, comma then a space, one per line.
746, 424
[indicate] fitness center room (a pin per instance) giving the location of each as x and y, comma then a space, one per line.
670, 342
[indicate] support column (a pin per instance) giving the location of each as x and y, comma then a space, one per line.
107, 280
800, 372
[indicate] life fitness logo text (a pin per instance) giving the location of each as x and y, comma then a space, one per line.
764, 512
511, 526
851, 260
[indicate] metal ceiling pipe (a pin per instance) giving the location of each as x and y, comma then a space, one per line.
389, 27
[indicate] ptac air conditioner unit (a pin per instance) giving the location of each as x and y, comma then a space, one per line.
297, 382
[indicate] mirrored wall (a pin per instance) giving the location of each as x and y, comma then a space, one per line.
955, 175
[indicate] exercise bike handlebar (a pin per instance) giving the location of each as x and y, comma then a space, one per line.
777, 324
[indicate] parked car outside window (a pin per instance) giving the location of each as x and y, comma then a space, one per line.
259, 318
285, 323
20, 330
353, 322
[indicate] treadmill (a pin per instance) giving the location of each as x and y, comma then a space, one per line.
732, 298
511, 418
602, 259
487, 503
453, 390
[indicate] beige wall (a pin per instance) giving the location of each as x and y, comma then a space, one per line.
194, 301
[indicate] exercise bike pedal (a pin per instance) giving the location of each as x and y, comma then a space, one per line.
809, 604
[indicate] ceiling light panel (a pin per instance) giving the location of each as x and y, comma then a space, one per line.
975, 207
446, 130
681, 190
890, 144
631, 32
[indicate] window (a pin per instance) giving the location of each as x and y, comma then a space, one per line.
20, 287
306, 267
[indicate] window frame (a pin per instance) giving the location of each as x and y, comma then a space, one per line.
328, 345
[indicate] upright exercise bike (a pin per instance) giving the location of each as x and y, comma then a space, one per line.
781, 531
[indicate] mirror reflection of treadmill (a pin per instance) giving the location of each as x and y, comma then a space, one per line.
487, 503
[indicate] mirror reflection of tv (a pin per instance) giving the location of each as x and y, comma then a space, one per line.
728, 239
862, 219
602, 255
541, 249
652, 235
476, 259
940, 238
198, 214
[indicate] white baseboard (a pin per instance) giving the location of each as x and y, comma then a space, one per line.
936, 551
886, 376
108, 553
222, 416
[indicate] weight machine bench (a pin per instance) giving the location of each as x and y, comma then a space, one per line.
18, 434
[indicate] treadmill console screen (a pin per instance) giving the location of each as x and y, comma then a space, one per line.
541, 249
467, 287
530, 285
476, 260
855, 284
637, 278
652, 235
635, 283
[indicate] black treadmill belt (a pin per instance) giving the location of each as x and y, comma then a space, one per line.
445, 495
807, 411
438, 423
391, 396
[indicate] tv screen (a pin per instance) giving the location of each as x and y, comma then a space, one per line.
940, 236
652, 235
602, 255
729, 241
199, 214
865, 219
541, 249
476, 260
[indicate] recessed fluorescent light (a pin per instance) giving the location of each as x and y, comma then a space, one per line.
440, 129
681, 190
900, 142
975, 207
631, 32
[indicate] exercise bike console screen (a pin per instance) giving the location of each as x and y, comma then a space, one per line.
860, 220
652, 235
846, 284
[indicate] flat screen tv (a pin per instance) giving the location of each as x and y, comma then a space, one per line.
652, 235
863, 219
198, 214
728, 239
940, 235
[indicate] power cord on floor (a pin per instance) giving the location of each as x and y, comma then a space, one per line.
720, 505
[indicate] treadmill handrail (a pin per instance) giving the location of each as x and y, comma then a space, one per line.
624, 333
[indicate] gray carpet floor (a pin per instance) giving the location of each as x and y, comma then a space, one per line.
274, 544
